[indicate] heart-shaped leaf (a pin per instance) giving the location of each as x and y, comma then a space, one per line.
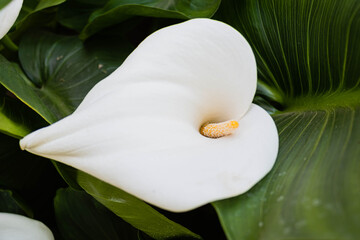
307, 53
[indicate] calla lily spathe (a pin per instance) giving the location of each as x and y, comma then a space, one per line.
8, 16
138, 129
18, 227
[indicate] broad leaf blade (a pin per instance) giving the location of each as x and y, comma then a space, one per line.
60, 71
302, 47
116, 11
35, 13
133, 210
77, 213
306, 54
311, 191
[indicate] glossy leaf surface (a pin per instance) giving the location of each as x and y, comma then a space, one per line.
307, 53
133, 210
77, 213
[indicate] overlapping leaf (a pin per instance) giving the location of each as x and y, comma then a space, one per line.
94, 16
133, 210
307, 53
35, 13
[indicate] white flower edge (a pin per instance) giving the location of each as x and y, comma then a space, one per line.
138, 129
18, 227
8, 16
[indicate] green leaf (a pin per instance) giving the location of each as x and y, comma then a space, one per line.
35, 13
3, 3
60, 71
77, 213
116, 11
32, 180
11, 203
307, 54
47, 3
10, 124
311, 191
16, 119
75, 14
133, 210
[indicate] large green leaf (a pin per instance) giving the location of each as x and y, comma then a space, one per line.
307, 54
77, 213
133, 210
93, 18
59, 72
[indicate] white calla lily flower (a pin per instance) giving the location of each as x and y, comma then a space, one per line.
18, 227
8, 16
139, 128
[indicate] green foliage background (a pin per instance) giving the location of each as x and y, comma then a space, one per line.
308, 60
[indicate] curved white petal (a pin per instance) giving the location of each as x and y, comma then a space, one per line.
18, 227
138, 129
8, 16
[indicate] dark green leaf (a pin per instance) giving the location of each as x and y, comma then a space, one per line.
132, 209
77, 214
60, 71
312, 190
16, 119
75, 14
302, 47
11, 203
35, 13
116, 11
3, 3
307, 55
19, 170
31, 179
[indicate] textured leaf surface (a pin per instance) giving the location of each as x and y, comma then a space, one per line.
77, 213
307, 55
59, 72
133, 210
311, 191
